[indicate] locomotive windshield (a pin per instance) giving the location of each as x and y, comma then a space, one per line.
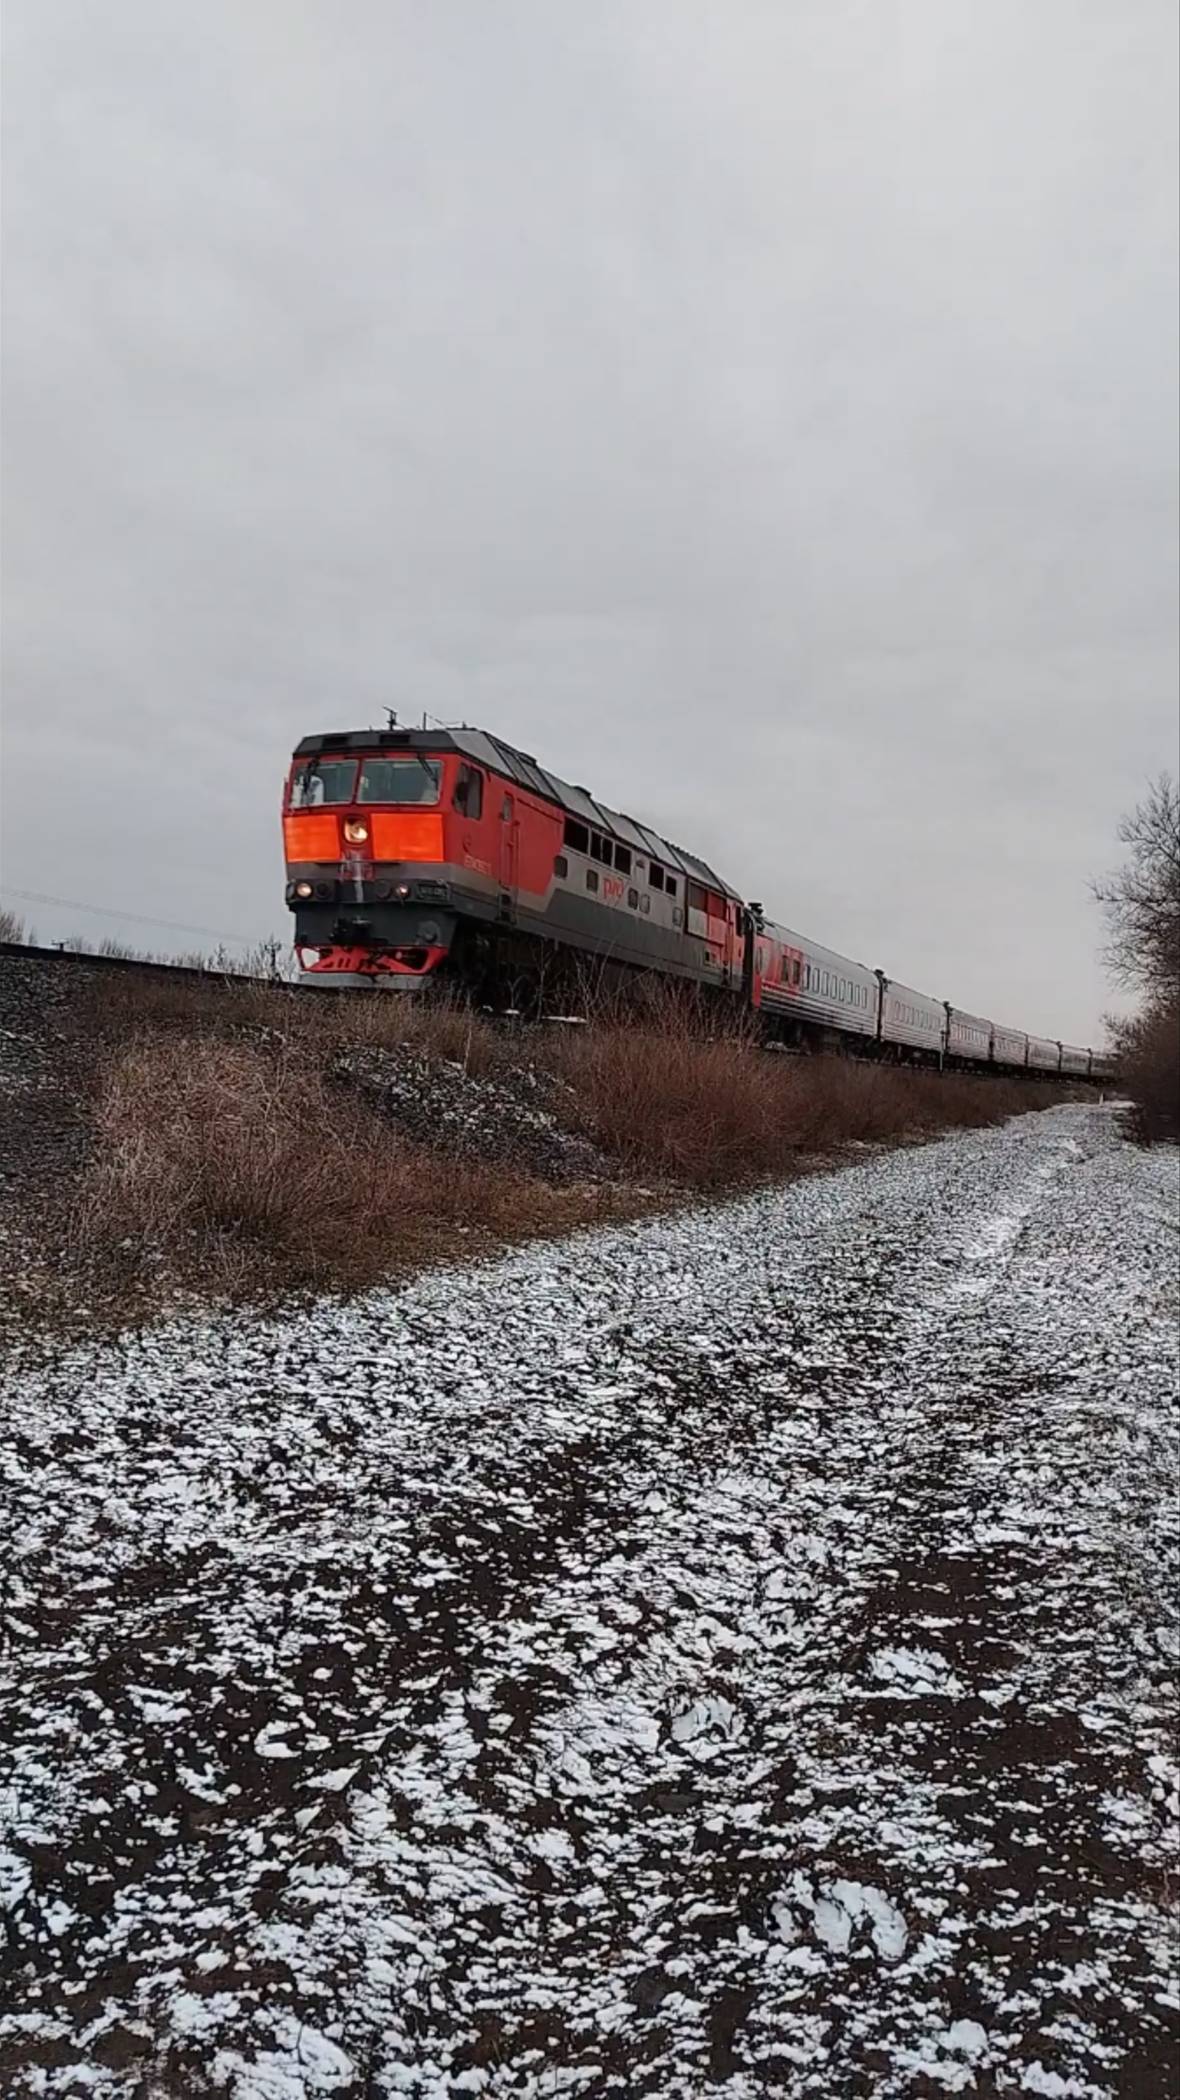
334, 780
402, 780
323, 780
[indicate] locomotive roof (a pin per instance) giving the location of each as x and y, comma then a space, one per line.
518, 766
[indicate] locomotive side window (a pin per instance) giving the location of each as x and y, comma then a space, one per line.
670, 886
633, 899
655, 876
561, 865
600, 848
399, 780
577, 837
468, 796
591, 878
697, 897
623, 859
323, 780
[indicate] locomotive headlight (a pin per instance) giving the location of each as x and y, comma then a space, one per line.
355, 832
303, 889
401, 889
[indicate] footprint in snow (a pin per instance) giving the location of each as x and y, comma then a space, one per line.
838, 1911
707, 1725
914, 1673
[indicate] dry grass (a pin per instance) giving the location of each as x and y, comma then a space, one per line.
225, 1155
717, 1111
122, 1007
238, 1162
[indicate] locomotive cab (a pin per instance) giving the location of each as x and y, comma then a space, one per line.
381, 833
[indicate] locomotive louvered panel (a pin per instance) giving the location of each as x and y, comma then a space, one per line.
701, 872
622, 828
577, 803
655, 847
500, 757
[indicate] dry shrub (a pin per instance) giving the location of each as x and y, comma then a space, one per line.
126, 1002
324, 1020
1148, 1053
225, 1154
233, 1159
384, 1020
714, 1109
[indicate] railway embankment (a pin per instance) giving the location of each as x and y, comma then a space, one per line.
170, 1137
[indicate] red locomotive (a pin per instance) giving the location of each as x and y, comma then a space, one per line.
419, 855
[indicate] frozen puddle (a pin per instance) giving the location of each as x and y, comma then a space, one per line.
730, 1653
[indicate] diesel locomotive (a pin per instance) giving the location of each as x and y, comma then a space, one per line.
418, 857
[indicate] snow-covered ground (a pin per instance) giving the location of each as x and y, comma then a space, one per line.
726, 1654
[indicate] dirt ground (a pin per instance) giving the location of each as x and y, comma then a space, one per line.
729, 1653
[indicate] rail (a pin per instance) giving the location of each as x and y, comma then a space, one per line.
144, 964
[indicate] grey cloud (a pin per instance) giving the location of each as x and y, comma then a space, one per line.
767, 415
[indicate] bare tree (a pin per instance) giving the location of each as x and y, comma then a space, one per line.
12, 929
1142, 900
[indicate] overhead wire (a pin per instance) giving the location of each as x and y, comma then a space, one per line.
106, 911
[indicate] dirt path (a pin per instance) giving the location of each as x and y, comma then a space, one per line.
725, 1654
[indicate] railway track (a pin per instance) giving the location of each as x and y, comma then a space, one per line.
131, 964
24, 950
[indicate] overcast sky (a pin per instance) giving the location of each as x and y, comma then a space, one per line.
764, 413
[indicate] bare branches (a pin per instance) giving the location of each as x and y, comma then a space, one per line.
1142, 900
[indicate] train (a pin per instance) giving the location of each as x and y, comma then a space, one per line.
448, 857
